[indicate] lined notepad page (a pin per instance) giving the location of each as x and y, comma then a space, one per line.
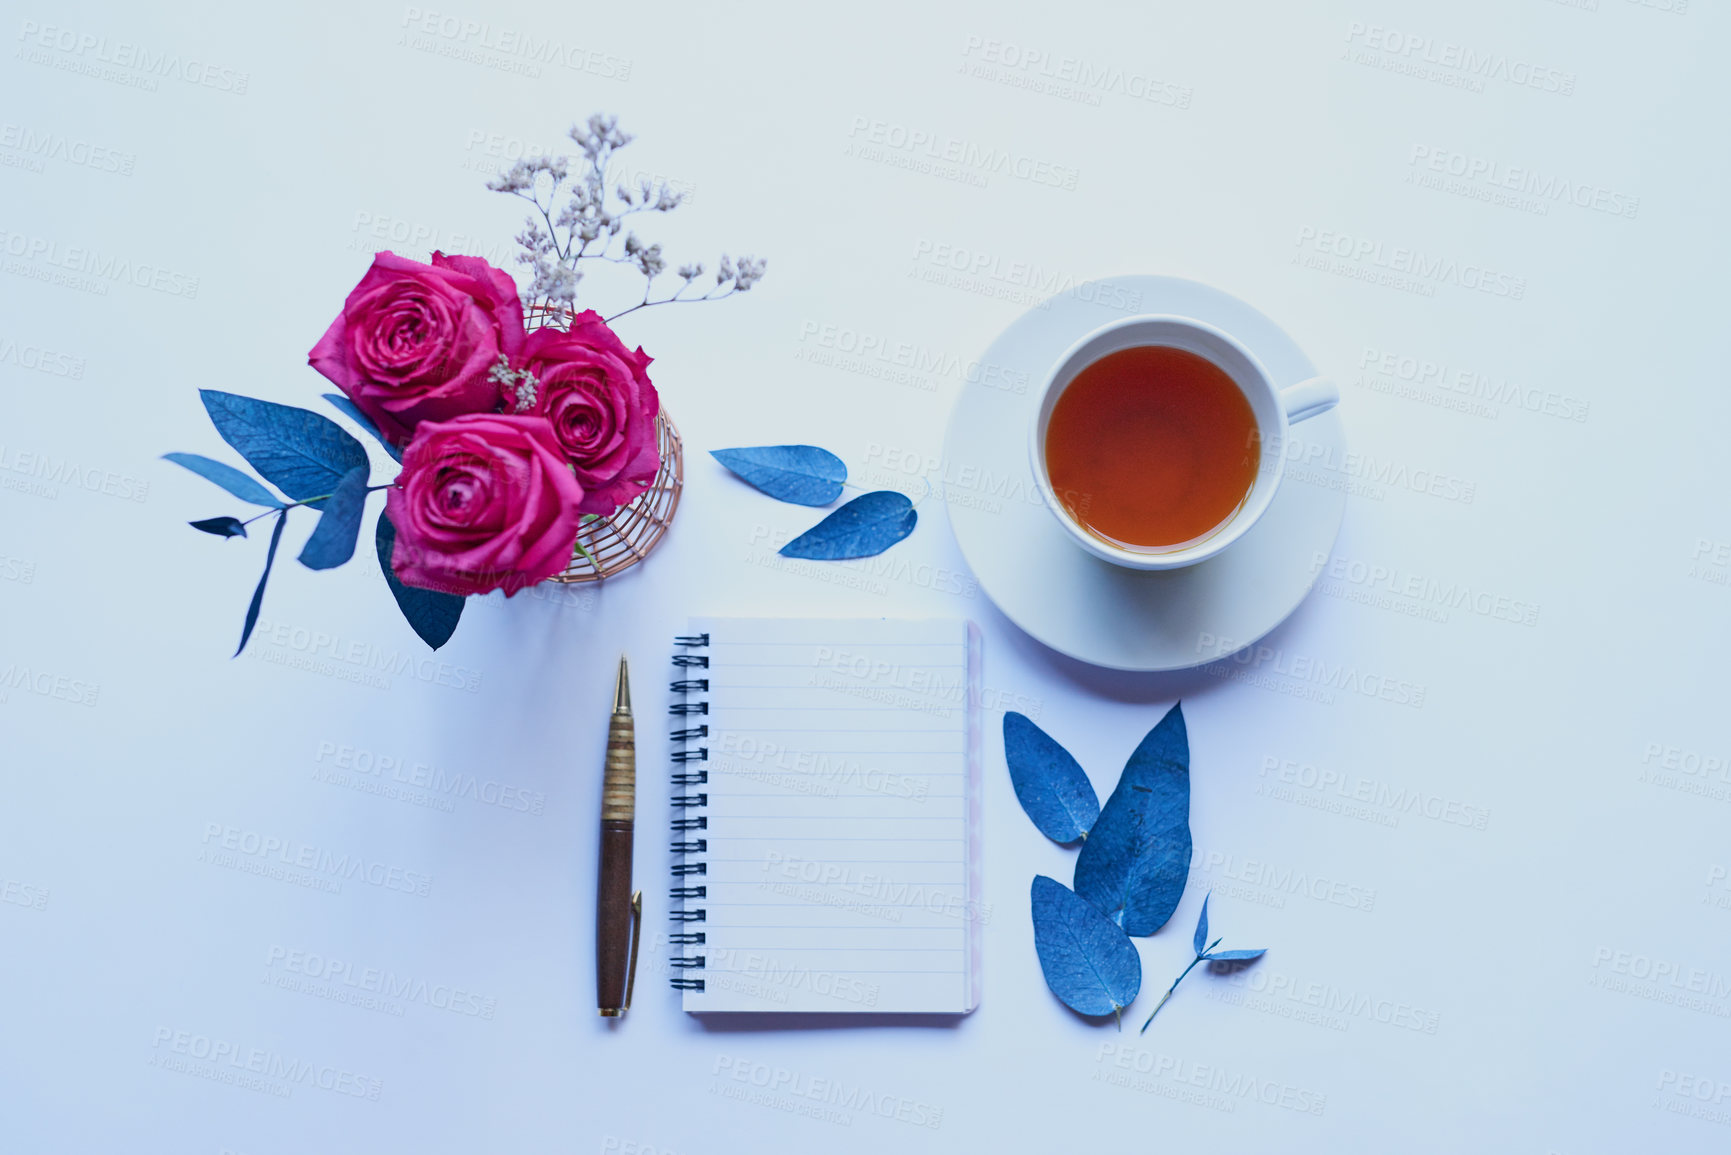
841, 866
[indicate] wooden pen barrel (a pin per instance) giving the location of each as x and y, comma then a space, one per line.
613, 896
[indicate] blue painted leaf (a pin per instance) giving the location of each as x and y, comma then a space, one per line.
333, 540
864, 527
1088, 961
1137, 857
258, 593
353, 412
432, 615
221, 526
1201, 939
1236, 955
802, 474
302, 453
228, 477
1049, 783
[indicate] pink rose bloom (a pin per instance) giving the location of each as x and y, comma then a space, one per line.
485, 501
419, 342
602, 407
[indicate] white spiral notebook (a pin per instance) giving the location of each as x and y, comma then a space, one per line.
826, 835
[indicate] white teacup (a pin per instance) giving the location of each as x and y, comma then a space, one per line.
1275, 409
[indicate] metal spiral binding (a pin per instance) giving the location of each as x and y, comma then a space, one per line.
685, 801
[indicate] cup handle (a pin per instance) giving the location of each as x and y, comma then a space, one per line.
1308, 398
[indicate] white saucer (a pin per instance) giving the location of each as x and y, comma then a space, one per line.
1090, 609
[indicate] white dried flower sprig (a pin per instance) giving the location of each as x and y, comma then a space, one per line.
516, 385
586, 226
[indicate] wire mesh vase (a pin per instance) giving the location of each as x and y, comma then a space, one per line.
613, 544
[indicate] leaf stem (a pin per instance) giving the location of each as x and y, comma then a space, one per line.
1169, 991
310, 500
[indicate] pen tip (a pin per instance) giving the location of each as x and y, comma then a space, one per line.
622, 689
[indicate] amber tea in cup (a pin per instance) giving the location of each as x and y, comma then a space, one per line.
1152, 448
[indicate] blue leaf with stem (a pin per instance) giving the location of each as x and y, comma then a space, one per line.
333, 540
802, 474
864, 527
1088, 961
1137, 857
1049, 782
228, 477
258, 593
221, 526
431, 614
353, 412
302, 453
1204, 952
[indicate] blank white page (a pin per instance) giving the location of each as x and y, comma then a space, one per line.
838, 861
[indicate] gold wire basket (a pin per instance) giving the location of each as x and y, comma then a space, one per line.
625, 537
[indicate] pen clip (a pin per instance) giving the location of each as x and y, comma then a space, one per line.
636, 936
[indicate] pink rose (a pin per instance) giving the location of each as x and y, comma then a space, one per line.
602, 407
419, 342
485, 501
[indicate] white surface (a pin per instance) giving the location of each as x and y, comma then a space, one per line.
1032, 565
1231, 142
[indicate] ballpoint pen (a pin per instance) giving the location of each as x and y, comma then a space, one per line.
619, 910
